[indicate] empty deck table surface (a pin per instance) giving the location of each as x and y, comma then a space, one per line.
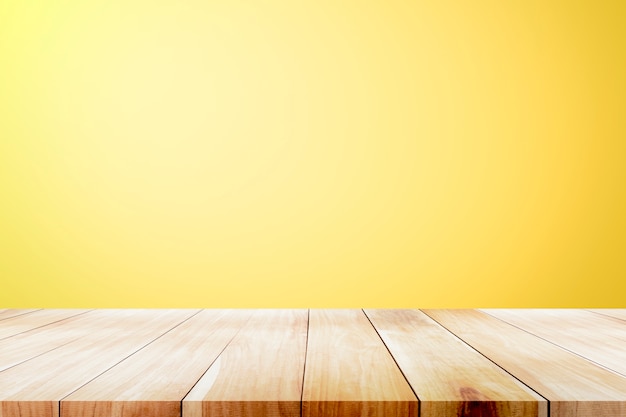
312, 363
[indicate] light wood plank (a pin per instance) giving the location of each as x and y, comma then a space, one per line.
24, 346
153, 381
26, 322
260, 372
601, 339
618, 313
12, 312
450, 378
574, 386
34, 388
349, 371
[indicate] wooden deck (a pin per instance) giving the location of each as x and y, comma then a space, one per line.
312, 363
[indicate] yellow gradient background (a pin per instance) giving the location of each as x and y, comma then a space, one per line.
283, 153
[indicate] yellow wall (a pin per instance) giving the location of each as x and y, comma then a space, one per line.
198, 153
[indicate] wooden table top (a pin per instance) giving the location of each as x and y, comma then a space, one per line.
312, 363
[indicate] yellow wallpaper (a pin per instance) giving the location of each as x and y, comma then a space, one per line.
323, 153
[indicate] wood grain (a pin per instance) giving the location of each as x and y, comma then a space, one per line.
574, 386
153, 381
36, 319
34, 388
618, 313
350, 372
259, 373
25, 346
571, 329
450, 378
288, 363
12, 312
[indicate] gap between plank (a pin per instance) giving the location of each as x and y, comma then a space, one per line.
489, 359
43, 325
419, 402
22, 314
306, 351
42, 353
604, 315
215, 360
557, 345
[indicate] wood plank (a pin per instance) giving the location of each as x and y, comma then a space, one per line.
26, 322
34, 388
12, 312
350, 372
153, 381
574, 386
601, 339
618, 313
450, 378
260, 372
25, 346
